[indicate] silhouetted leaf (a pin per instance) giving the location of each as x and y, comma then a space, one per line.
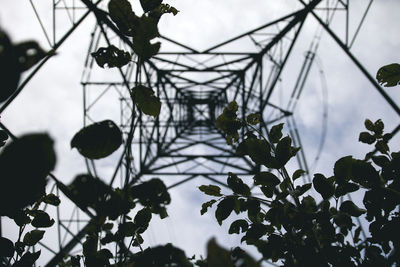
342, 169
98, 140
218, 256
28, 53
378, 127
145, 99
237, 185
284, 151
350, 208
266, 179
228, 122
28, 259
297, 174
89, 247
127, 229
381, 161
323, 186
253, 119
345, 188
382, 147
22, 186
369, 125
144, 49
148, 5
6, 247
389, 75
111, 56
142, 219
153, 194
21, 218
211, 190
121, 13
366, 138
238, 225
224, 209
275, 134
52, 200
42, 219
32, 237
207, 205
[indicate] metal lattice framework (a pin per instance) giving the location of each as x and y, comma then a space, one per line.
194, 87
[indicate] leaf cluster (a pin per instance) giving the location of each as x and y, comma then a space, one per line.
293, 227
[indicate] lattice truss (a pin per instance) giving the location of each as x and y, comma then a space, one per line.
194, 87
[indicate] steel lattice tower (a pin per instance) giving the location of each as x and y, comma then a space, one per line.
194, 87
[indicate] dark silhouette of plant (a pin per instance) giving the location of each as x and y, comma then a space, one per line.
289, 225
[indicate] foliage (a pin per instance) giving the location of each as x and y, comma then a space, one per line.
288, 224
389, 75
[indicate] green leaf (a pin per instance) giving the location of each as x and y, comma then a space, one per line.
218, 256
228, 122
345, 188
342, 169
224, 209
211, 190
284, 151
145, 99
238, 225
389, 75
253, 119
237, 185
275, 134
297, 174
382, 147
257, 149
253, 210
42, 219
323, 186
32, 237
52, 200
121, 13
300, 190
111, 56
266, 179
148, 5
89, 247
369, 125
28, 259
127, 229
98, 140
207, 205
381, 161
25, 164
144, 49
350, 208
6, 247
366, 138
107, 226
142, 219
28, 53
378, 127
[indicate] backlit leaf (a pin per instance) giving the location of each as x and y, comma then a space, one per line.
32, 237
237, 185
6, 247
224, 209
267, 179
323, 186
211, 190
145, 99
148, 5
238, 226
42, 219
275, 134
111, 56
350, 208
389, 75
98, 140
253, 119
206, 205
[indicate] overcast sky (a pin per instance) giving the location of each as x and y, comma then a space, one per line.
52, 101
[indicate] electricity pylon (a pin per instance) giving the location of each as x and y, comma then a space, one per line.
194, 86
